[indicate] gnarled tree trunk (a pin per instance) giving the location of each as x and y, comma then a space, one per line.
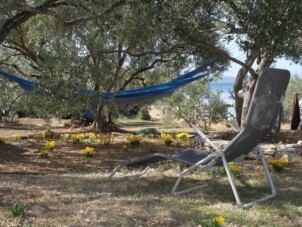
238, 85
265, 62
102, 121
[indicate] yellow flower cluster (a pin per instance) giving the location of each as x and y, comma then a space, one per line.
77, 138
135, 139
92, 137
16, 137
50, 144
279, 164
87, 152
182, 137
167, 138
64, 137
107, 139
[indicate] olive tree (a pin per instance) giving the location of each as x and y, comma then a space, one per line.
196, 104
264, 31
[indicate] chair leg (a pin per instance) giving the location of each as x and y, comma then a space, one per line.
180, 177
111, 175
270, 181
234, 188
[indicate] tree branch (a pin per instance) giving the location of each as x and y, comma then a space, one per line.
27, 12
142, 54
140, 71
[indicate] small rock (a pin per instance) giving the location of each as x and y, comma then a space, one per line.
269, 152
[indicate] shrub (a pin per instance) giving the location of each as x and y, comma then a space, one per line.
144, 114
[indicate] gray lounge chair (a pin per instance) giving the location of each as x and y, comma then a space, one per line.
261, 118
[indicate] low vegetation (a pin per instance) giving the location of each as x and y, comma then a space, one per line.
69, 186
92, 200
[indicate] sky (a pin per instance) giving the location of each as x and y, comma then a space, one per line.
281, 63
295, 69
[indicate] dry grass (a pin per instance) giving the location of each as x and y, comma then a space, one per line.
92, 200
80, 194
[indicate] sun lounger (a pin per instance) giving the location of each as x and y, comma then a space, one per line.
261, 118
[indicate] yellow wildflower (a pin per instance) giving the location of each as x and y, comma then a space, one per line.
64, 137
219, 219
87, 152
168, 139
50, 143
16, 137
135, 139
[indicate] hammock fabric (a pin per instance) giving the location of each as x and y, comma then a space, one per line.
128, 97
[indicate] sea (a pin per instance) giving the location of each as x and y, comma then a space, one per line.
226, 86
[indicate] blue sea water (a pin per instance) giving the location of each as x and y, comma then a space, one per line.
226, 88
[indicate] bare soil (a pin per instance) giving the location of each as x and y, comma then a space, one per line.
66, 189
23, 156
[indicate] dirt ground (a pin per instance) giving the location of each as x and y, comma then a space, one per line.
23, 156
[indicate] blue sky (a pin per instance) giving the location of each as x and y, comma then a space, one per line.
295, 69
281, 63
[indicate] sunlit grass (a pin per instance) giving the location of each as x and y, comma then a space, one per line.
90, 199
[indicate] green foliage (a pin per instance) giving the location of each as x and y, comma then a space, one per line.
195, 104
18, 209
295, 86
144, 114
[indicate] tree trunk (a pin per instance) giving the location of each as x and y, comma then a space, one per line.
251, 87
278, 123
102, 121
100, 118
247, 98
239, 85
